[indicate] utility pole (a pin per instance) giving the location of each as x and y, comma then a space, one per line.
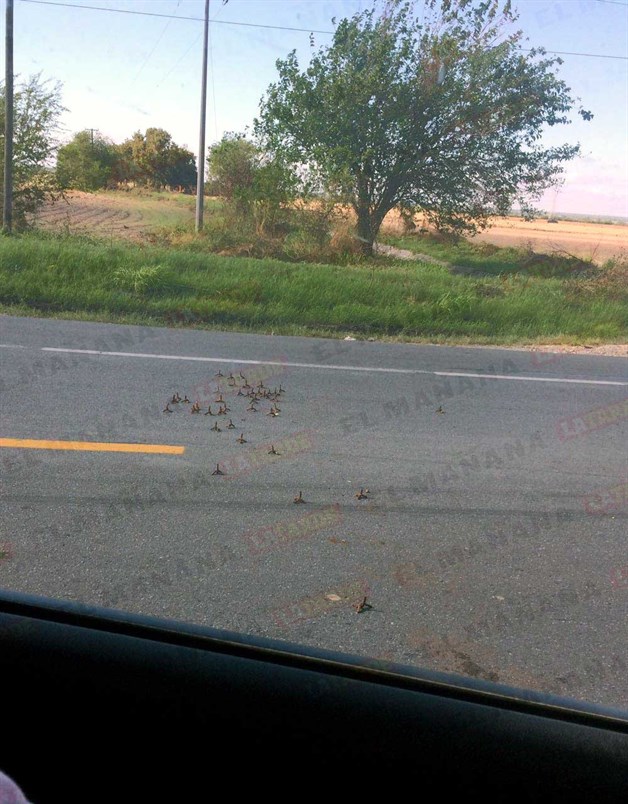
200, 182
7, 210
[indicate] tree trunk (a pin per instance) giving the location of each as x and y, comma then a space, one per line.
365, 234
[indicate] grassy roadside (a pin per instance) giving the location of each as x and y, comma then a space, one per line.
69, 276
486, 258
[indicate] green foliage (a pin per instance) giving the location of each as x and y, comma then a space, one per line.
274, 186
37, 108
255, 183
124, 171
444, 116
154, 160
231, 165
86, 162
139, 279
72, 276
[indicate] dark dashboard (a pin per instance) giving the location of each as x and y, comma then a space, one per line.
101, 705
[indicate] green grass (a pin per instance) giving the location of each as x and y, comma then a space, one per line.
486, 258
159, 209
80, 278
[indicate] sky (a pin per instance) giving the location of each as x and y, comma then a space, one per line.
122, 72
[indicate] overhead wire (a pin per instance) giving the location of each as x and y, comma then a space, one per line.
170, 16
179, 60
288, 28
188, 49
159, 38
612, 3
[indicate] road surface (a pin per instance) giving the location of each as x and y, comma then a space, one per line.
491, 542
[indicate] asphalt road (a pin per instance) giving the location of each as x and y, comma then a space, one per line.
491, 543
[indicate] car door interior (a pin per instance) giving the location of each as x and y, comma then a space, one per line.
106, 705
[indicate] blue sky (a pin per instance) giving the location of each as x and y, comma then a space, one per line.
121, 72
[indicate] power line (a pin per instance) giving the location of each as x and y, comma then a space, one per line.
159, 38
179, 60
613, 3
302, 30
171, 16
188, 49
570, 53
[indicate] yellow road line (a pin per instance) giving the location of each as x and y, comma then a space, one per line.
90, 446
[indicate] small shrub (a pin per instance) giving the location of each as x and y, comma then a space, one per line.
451, 304
609, 280
139, 280
408, 221
487, 249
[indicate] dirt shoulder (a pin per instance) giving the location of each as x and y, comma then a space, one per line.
606, 349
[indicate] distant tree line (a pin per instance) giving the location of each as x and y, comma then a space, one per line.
92, 162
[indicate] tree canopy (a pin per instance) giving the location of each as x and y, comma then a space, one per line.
231, 165
252, 180
37, 108
86, 162
154, 160
445, 115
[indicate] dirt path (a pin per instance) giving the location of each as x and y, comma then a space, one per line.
406, 254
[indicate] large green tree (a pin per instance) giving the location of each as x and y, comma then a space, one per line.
37, 108
154, 160
250, 179
86, 162
445, 115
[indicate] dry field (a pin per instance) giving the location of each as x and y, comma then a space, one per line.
115, 214
592, 241
132, 216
